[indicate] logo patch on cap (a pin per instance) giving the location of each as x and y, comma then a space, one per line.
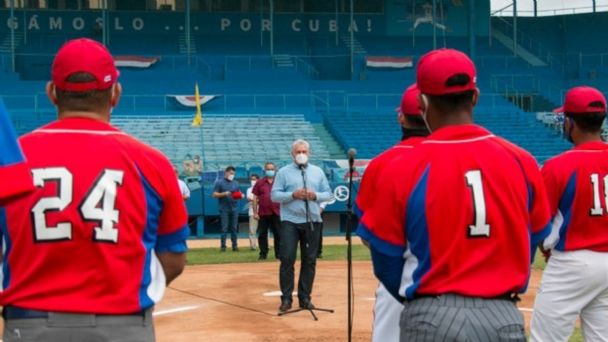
108, 78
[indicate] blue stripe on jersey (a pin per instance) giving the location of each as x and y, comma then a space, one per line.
388, 270
11, 153
385, 247
387, 259
538, 237
166, 242
154, 206
357, 211
565, 207
5, 238
417, 232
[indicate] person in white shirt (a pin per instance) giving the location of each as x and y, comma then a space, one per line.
183, 187
253, 217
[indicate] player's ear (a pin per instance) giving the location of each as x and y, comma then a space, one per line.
423, 103
51, 92
116, 93
400, 118
475, 96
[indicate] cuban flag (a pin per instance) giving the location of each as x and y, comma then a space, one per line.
135, 61
389, 62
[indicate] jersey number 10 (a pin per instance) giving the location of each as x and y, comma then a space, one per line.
479, 228
97, 206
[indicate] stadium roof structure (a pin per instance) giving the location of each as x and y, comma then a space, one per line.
542, 8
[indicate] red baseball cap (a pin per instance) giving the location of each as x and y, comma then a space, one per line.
579, 99
437, 66
84, 55
409, 101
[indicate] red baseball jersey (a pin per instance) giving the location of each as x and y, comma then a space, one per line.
86, 239
460, 211
577, 187
367, 187
14, 174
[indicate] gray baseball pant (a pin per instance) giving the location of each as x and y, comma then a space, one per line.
457, 318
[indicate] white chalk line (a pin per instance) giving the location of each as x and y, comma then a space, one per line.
174, 310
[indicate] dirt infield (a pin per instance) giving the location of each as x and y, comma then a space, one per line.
238, 302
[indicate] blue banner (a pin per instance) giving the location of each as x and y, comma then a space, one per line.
91, 22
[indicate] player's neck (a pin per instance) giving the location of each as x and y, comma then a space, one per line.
583, 138
81, 114
454, 119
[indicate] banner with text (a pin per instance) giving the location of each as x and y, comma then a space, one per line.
91, 23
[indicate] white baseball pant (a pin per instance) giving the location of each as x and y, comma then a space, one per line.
387, 312
574, 283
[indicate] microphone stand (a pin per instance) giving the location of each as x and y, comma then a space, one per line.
308, 234
349, 247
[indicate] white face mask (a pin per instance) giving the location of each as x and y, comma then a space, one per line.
230, 177
301, 159
253, 182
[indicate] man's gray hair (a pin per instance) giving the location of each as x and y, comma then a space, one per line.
299, 142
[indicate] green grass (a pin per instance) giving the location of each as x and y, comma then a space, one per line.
539, 262
206, 256
577, 336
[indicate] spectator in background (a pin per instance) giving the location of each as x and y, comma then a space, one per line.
183, 187
226, 190
267, 212
188, 165
253, 214
197, 164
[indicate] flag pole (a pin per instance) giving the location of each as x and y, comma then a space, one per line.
198, 120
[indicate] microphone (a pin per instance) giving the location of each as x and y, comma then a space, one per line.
351, 156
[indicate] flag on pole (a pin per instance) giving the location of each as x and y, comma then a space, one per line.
198, 117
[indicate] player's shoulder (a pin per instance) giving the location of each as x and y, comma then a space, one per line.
523, 155
565, 161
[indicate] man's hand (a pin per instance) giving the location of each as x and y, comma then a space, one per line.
299, 194
227, 194
256, 216
311, 195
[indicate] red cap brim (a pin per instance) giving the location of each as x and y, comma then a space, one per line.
559, 110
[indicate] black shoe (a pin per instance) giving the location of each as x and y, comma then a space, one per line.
306, 305
262, 257
235, 249
285, 306
320, 256
223, 249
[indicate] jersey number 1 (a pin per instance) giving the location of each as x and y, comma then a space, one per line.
479, 228
597, 205
97, 206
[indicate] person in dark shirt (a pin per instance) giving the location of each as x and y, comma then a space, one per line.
227, 191
267, 212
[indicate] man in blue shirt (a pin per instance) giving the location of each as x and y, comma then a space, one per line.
299, 203
227, 191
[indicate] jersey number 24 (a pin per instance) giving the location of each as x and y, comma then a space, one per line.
97, 206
